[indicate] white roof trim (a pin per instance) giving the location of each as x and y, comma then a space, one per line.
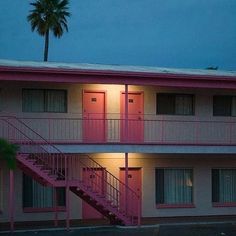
114, 68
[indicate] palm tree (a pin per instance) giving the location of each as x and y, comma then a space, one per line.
49, 15
8, 153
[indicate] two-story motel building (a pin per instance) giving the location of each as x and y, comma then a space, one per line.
120, 142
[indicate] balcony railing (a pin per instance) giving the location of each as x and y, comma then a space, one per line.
135, 131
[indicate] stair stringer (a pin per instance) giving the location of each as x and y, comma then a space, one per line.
34, 170
101, 204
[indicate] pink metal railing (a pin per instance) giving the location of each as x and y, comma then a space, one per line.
47, 155
101, 181
70, 167
149, 130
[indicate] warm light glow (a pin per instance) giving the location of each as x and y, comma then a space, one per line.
189, 183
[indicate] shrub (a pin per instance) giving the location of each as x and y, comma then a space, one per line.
8, 153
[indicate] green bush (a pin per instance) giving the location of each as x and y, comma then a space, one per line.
8, 153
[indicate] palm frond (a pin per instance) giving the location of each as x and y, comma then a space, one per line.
8, 153
49, 15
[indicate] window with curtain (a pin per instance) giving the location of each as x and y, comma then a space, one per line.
1, 99
224, 105
175, 104
36, 195
44, 100
224, 185
174, 186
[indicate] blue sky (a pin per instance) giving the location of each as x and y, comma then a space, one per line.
163, 33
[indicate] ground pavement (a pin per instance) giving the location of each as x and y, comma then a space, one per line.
188, 229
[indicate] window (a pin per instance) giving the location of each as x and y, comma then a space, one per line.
224, 185
175, 104
174, 186
224, 105
38, 196
1, 100
44, 100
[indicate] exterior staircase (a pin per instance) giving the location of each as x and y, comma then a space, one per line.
81, 174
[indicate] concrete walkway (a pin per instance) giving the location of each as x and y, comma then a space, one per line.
175, 226
186, 229
218, 229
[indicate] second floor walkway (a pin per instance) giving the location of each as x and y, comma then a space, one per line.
144, 134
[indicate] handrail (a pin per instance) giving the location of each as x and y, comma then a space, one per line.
37, 134
194, 119
111, 174
31, 141
146, 130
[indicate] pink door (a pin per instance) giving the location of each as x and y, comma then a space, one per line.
93, 178
94, 116
135, 117
134, 181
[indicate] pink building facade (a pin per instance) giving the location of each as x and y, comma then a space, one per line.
117, 142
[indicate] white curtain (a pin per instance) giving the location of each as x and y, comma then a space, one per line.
42, 196
56, 101
183, 105
39, 100
33, 100
227, 185
178, 186
234, 106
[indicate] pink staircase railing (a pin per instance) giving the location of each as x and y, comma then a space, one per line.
45, 155
110, 187
40, 156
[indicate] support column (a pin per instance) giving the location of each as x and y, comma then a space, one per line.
126, 112
126, 140
67, 193
126, 181
11, 201
55, 203
67, 207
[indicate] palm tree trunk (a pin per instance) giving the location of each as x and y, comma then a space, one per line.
46, 46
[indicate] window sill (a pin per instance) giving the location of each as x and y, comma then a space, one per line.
224, 204
40, 210
158, 114
173, 206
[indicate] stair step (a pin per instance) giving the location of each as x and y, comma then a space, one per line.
41, 166
48, 172
51, 175
31, 160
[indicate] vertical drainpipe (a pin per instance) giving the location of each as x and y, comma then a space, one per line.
11, 199
126, 154
67, 193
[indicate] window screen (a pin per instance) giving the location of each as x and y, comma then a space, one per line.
43, 100
222, 105
174, 186
223, 185
36, 195
175, 104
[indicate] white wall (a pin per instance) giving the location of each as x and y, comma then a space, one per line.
11, 96
201, 165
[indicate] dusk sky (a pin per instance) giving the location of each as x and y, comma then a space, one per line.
162, 33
